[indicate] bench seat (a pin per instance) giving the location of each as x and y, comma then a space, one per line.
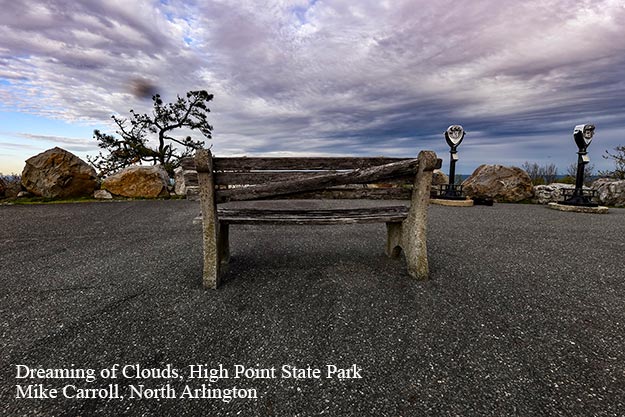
388, 214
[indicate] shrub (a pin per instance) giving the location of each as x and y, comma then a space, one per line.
545, 174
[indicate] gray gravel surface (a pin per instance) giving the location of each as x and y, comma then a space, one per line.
524, 313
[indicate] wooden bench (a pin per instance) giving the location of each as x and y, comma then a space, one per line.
224, 180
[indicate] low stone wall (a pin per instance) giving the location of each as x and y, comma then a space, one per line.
552, 193
609, 192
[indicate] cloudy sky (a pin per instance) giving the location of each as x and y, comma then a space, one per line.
321, 77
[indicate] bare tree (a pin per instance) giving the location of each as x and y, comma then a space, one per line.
533, 170
133, 147
545, 174
619, 163
549, 173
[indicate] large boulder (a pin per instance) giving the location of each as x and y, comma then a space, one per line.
57, 173
610, 192
138, 182
500, 183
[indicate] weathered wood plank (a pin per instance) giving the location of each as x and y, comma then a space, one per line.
289, 163
315, 216
354, 193
263, 177
319, 182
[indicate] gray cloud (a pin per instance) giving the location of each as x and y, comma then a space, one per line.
72, 144
16, 146
332, 76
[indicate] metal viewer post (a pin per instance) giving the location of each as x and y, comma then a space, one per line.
453, 136
579, 197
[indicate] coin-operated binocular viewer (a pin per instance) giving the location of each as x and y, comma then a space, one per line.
579, 197
453, 136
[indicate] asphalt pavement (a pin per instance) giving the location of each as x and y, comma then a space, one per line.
524, 314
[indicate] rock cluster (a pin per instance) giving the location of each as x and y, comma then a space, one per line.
57, 173
500, 183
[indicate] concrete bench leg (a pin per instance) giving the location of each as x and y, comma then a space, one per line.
414, 228
223, 242
393, 239
211, 254
415, 249
211, 234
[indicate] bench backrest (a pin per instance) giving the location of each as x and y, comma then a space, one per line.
242, 178
240, 172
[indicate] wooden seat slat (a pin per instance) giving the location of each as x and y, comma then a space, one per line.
396, 193
313, 216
